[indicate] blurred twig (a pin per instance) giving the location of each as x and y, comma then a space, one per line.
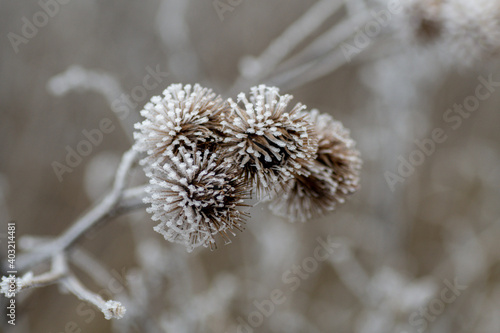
281, 47
115, 203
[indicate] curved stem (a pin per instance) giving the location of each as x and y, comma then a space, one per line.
118, 201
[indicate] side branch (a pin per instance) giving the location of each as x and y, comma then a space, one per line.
117, 202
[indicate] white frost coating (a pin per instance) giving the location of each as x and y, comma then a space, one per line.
333, 176
20, 282
183, 116
270, 142
195, 196
113, 309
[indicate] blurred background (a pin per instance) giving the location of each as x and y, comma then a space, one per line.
416, 248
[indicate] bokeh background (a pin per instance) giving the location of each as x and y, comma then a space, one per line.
399, 246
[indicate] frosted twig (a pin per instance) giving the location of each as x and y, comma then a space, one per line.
312, 71
29, 242
59, 273
83, 260
110, 309
327, 41
58, 270
110, 206
281, 47
76, 77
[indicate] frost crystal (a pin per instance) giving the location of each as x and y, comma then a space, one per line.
113, 309
196, 196
5, 286
184, 116
271, 143
20, 283
333, 176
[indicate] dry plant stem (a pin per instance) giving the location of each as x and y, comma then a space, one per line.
105, 84
59, 273
281, 47
90, 265
312, 71
111, 206
58, 270
327, 42
71, 283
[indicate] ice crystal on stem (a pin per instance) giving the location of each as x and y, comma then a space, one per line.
333, 176
196, 195
271, 143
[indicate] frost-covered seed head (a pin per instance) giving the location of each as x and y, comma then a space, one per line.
184, 116
464, 32
333, 176
196, 196
269, 143
472, 30
421, 21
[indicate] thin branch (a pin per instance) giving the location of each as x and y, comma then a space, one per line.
281, 47
112, 205
90, 265
327, 42
78, 78
312, 71
59, 269
110, 309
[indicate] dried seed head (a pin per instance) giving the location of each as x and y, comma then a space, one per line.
421, 21
463, 32
196, 196
472, 30
333, 176
184, 116
270, 143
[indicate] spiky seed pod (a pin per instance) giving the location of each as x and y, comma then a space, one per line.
307, 196
333, 176
184, 116
270, 143
196, 196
